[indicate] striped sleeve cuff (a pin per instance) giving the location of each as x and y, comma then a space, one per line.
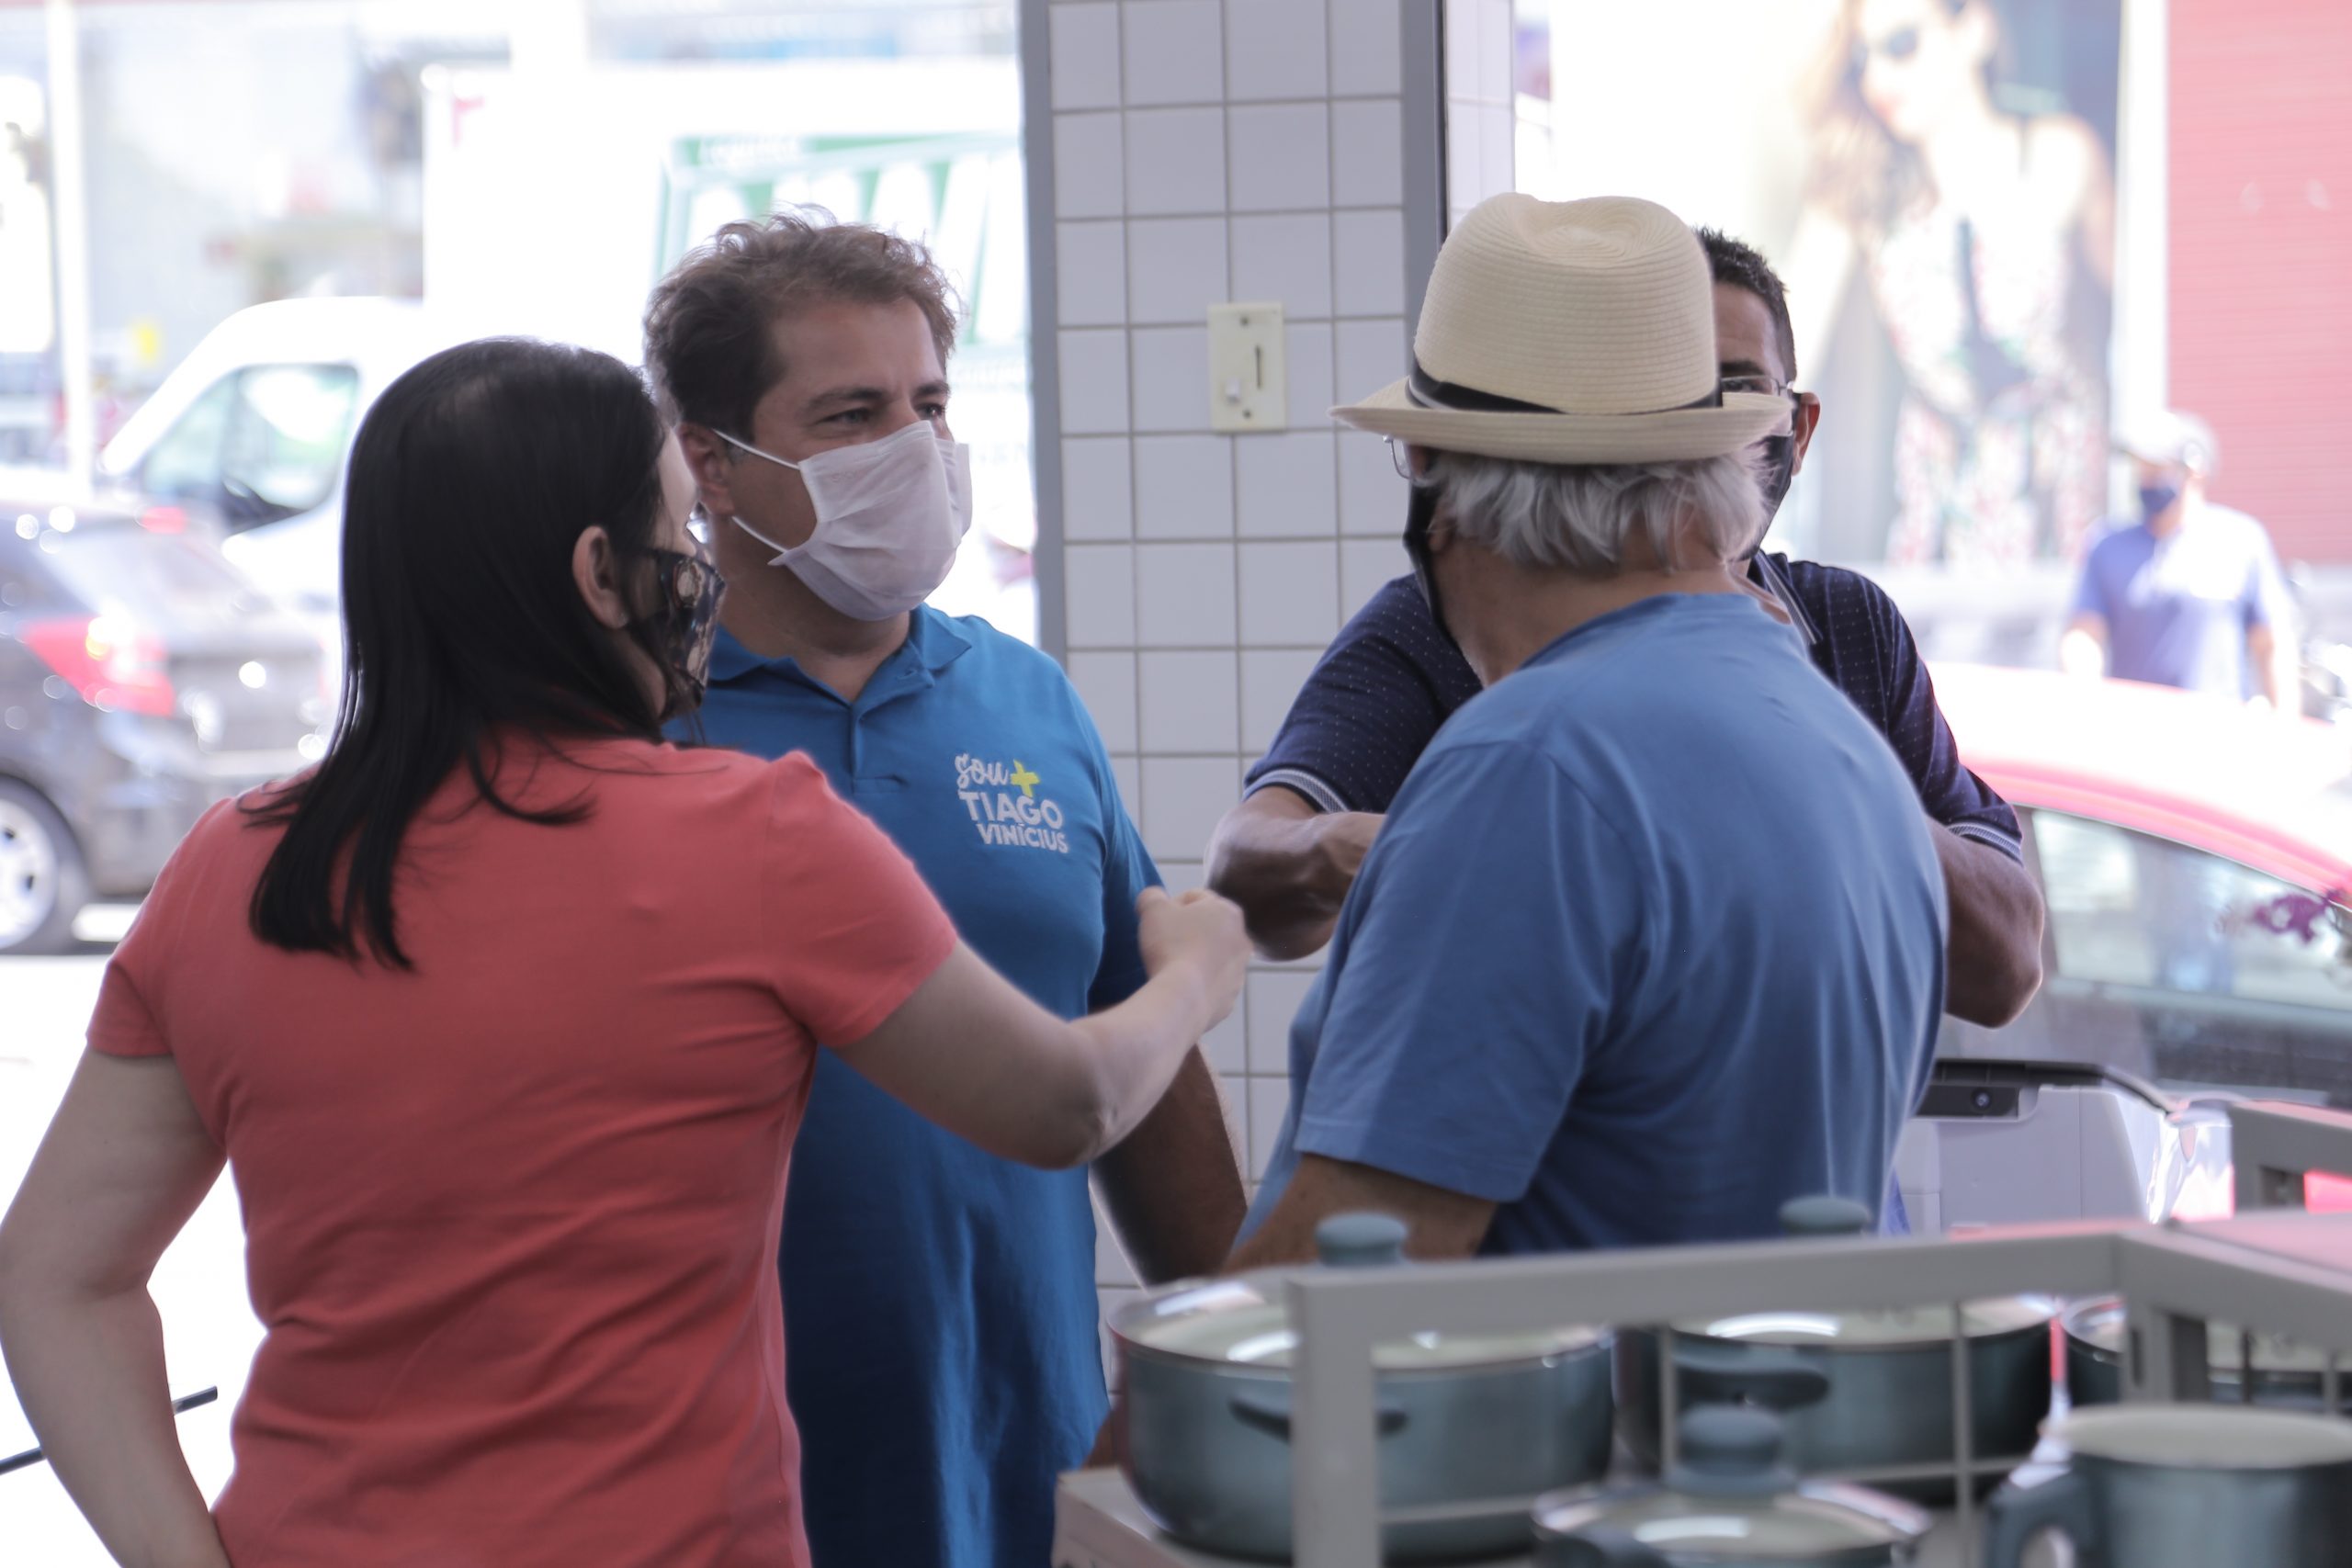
1323, 796
1985, 833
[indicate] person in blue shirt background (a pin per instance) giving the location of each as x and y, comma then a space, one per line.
2189, 595
1652, 939
943, 1355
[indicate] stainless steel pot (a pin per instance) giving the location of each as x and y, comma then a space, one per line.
2286, 1376
2188, 1486
1882, 1381
1730, 1500
1460, 1419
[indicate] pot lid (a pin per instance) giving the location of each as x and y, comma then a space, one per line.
1822, 1215
1890, 1328
1234, 1322
2207, 1437
2099, 1324
1730, 1500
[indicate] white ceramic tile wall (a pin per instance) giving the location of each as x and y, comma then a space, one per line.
1175, 161
1106, 683
1191, 703
1094, 382
1368, 260
1284, 486
1275, 49
1213, 150
1086, 56
1173, 53
1285, 257
1372, 493
1175, 268
1185, 595
1093, 258
1098, 488
1183, 487
1281, 156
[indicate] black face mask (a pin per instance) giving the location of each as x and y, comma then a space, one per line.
1420, 511
1780, 468
684, 624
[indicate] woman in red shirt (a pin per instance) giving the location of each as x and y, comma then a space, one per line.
505, 1015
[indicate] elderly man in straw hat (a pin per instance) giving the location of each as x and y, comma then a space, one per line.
1653, 938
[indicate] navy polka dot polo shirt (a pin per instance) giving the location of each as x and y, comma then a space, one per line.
1381, 691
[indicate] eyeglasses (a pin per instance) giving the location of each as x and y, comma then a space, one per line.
1757, 386
1399, 454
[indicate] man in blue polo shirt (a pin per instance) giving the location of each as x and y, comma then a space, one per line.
942, 1356
1652, 939
1288, 854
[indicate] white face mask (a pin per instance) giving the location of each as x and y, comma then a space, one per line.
889, 516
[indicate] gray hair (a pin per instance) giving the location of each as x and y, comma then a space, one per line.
1579, 518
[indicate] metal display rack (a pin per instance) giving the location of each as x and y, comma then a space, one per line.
2283, 1272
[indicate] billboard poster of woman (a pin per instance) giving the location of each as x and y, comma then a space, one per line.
1985, 231
1935, 181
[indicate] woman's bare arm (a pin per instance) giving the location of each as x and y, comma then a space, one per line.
125, 1162
974, 1055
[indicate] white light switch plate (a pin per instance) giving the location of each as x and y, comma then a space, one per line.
1247, 383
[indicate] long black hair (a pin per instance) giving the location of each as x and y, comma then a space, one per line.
472, 480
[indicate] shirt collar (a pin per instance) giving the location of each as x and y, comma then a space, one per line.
934, 642
1768, 576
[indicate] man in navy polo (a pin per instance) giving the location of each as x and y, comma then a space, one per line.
943, 1360
1289, 852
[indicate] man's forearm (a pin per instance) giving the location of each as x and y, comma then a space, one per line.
1993, 957
1269, 857
90, 1376
1173, 1188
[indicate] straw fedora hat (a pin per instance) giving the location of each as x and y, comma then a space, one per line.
1569, 332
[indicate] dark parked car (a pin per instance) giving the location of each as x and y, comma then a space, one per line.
141, 679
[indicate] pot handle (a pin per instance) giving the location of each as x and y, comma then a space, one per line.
2014, 1515
1273, 1415
1601, 1546
1711, 1378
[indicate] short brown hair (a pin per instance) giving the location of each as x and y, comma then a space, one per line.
707, 340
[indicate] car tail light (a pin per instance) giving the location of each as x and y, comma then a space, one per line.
163, 520
111, 664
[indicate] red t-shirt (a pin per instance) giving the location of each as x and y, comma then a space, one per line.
510, 1218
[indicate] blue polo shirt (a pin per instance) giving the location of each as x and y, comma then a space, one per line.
942, 1353
1651, 940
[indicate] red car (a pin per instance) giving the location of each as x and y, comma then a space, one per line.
2196, 858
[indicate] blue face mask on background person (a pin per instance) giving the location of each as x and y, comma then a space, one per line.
2157, 499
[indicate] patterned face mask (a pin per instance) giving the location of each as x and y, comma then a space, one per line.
684, 624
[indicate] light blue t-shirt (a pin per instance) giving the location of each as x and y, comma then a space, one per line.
1651, 942
2177, 609
943, 1357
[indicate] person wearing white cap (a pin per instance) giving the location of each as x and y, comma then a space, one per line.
2190, 595
1653, 938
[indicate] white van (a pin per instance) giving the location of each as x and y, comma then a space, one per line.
252, 428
